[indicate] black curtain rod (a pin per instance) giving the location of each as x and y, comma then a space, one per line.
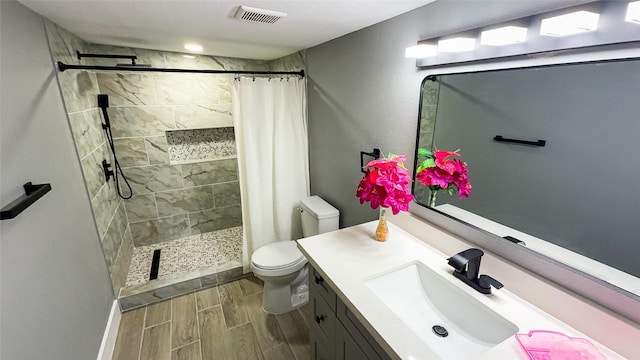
63, 67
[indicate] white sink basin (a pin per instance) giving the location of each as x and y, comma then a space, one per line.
422, 299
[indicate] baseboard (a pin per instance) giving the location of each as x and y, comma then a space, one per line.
110, 333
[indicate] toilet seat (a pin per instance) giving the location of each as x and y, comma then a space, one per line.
278, 256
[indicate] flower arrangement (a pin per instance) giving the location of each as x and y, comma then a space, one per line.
386, 184
441, 170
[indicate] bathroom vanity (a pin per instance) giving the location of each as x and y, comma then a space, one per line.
376, 300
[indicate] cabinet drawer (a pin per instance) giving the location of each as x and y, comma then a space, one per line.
323, 321
317, 281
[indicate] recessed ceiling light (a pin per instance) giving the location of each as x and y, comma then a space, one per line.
193, 47
458, 44
569, 24
633, 12
421, 51
504, 36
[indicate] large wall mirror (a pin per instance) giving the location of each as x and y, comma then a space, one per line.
576, 198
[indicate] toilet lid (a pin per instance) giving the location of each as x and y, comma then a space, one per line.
277, 255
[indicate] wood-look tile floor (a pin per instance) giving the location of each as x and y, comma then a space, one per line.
224, 322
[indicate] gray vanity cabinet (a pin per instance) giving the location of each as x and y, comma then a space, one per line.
335, 333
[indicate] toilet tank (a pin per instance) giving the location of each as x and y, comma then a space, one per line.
318, 216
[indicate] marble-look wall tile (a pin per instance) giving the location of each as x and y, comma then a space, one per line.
146, 179
63, 44
140, 121
203, 116
159, 230
201, 144
112, 240
211, 172
155, 58
293, 62
131, 152
141, 207
228, 63
186, 89
110, 245
127, 89
120, 219
157, 150
427, 126
92, 169
121, 267
104, 205
183, 201
79, 90
226, 194
225, 83
87, 131
200, 62
215, 219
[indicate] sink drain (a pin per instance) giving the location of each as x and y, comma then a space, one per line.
440, 330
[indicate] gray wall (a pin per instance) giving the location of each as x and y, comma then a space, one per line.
55, 288
576, 191
363, 93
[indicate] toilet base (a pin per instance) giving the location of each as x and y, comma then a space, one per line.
280, 297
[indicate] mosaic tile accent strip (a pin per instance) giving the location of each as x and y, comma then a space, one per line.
188, 254
187, 146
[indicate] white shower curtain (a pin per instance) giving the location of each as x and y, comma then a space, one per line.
270, 119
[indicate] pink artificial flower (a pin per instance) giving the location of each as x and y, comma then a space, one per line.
434, 176
386, 184
398, 201
443, 162
446, 172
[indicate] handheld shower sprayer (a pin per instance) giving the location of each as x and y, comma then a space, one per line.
103, 103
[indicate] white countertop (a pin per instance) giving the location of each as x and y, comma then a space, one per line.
349, 257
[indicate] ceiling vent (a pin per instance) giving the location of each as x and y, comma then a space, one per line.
256, 15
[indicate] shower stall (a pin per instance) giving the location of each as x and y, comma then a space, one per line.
181, 228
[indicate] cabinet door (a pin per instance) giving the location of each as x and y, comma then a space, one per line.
319, 350
346, 346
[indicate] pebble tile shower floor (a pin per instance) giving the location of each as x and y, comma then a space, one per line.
188, 254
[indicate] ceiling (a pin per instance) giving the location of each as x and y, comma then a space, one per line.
168, 24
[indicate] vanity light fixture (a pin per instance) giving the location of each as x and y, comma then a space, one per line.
193, 47
458, 44
506, 35
569, 24
633, 12
421, 51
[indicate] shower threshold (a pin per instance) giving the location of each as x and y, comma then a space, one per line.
188, 264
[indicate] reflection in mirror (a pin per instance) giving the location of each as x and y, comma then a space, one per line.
574, 199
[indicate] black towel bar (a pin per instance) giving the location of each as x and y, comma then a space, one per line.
375, 154
540, 143
32, 194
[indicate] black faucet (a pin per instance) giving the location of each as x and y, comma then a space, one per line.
467, 268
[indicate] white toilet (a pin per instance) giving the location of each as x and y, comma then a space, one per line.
282, 266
